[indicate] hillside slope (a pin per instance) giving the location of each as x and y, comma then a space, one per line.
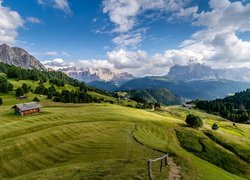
235, 107
162, 96
103, 141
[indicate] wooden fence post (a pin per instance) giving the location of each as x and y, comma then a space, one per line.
150, 175
161, 166
166, 160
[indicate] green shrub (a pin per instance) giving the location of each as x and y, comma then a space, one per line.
194, 121
19, 92
50, 95
215, 126
25, 88
36, 99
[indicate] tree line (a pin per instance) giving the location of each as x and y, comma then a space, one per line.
235, 108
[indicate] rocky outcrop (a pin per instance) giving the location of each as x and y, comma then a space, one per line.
19, 57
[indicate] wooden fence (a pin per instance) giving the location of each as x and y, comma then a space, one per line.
163, 159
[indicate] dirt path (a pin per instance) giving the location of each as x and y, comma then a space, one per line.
175, 170
174, 173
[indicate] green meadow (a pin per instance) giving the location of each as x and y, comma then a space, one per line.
109, 141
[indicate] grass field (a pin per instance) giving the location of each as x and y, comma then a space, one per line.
104, 141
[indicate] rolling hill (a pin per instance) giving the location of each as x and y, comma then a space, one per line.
104, 141
161, 96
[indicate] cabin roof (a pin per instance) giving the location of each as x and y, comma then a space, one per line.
27, 106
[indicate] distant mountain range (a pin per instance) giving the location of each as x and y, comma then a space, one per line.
196, 72
19, 57
108, 80
88, 75
195, 81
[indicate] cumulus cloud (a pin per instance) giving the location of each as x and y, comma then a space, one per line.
95, 63
59, 63
57, 4
55, 63
10, 21
221, 25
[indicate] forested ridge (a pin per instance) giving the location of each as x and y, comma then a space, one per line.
235, 108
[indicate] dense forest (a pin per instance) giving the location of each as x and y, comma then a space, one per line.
235, 108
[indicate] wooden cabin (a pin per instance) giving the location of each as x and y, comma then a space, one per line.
27, 108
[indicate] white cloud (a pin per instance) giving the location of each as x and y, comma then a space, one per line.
56, 63
123, 59
221, 25
123, 13
130, 39
10, 21
56, 53
52, 53
185, 14
33, 20
95, 63
57, 4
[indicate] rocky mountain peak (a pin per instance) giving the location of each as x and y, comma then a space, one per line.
191, 72
19, 57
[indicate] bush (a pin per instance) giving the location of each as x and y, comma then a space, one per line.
25, 88
19, 92
1, 101
3, 85
10, 87
36, 99
215, 126
194, 121
50, 95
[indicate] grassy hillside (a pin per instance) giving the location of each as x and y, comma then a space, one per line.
162, 96
104, 141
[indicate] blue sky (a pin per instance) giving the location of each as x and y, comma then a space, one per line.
143, 37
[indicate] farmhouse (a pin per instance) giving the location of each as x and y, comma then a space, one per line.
27, 108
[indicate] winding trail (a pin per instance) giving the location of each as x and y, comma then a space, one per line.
174, 173
175, 170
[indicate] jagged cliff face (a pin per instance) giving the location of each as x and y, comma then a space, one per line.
19, 57
191, 72
96, 74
